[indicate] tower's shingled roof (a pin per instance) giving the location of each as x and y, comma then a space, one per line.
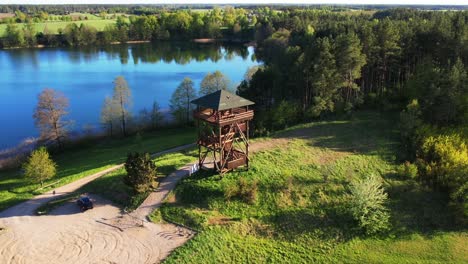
221, 100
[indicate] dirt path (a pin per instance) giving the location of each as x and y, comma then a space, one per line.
29, 207
155, 199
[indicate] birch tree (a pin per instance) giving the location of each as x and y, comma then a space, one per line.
123, 99
180, 101
109, 114
213, 82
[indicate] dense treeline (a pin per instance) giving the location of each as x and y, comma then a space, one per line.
227, 23
180, 52
153, 9
318, 62
66, 9
326, 62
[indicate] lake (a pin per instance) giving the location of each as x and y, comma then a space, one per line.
85, 76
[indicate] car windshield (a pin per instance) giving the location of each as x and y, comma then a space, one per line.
85, 199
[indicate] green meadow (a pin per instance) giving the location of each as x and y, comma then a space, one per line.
292, 203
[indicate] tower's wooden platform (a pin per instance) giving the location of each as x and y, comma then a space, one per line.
223, 129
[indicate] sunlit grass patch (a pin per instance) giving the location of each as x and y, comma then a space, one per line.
300, 212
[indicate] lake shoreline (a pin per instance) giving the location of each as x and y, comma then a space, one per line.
224, 40
85, 75
246, 43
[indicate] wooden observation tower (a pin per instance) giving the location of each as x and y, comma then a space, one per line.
223, 130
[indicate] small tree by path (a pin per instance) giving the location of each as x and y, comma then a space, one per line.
141, 172
39, 166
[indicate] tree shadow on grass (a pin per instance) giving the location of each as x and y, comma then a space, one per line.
166, 169
328, 226
198, 192
206, 174
368, 133
417, 209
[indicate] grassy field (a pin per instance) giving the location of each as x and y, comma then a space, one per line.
297, 214
54, 26
77, 163
111, 186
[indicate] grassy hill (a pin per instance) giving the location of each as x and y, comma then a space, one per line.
291, 207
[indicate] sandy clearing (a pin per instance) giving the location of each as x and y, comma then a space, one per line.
100, 235
29, 207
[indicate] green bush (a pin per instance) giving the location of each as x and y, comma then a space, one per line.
141, 172
445, 159
444, 165
410, 122
285, 114
156, 216
367, 205
407, 170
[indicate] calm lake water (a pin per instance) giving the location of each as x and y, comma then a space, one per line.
85, 76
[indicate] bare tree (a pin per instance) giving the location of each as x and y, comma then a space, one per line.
122, 97
250, 73
48, 115
156, 116
180, 101
109, 113
213, 82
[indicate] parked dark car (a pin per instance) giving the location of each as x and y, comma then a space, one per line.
84, 203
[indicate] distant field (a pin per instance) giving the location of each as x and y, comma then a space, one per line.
88, 15
54, 27
5, 15
199, 10
359, 12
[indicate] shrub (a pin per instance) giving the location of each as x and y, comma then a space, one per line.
407, 170
285, 114
367, 205
409, 123
141, 172
244, 190
444, 165
446, 160
40, 166
319, 105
